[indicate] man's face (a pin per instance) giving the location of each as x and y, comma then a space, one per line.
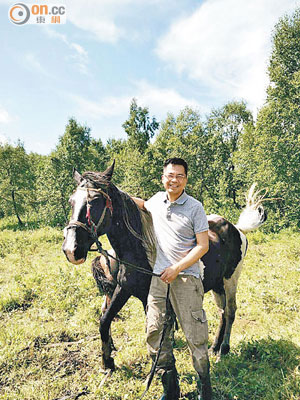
174, 180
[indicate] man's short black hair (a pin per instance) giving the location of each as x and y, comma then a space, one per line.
177, 161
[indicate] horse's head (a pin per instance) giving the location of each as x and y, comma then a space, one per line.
91, 213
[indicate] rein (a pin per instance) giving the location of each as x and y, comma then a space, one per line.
147, 272
154, 365
126, 263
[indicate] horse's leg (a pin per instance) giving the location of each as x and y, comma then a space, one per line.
105, 304
230, 286
220, 299
118, 300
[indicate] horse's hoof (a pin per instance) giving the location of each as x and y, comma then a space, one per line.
109, 363
224, 349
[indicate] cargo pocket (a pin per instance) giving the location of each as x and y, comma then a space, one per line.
200, 327
154, 320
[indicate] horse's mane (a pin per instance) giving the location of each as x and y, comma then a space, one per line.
97, 179
147, 235
129, 210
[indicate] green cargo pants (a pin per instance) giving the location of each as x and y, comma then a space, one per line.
186, 297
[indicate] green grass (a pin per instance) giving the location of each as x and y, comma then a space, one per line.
50, 346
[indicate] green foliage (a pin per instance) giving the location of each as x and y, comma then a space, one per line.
227, 151
252, 362
133, 156
273, 148
183, 137
16, 180
225, 128
50, 346
76, 149
139, 128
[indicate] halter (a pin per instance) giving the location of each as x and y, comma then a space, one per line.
91, 227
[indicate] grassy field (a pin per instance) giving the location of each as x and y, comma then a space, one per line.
50, 346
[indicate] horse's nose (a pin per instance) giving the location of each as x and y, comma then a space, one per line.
71, 250
71, 256
72, 259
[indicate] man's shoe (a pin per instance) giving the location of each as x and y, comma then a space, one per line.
170, 384
204, 388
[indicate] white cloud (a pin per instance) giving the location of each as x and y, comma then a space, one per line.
96, 17
5, 118
32, 62
224, 46
112, 20
79, 49
80, 55
160, 101
105, 108
106, 115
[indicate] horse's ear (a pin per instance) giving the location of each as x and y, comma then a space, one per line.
109, 171
77, 176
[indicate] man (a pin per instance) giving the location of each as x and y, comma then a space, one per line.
181, 230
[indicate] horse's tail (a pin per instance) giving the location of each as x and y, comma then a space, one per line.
254, 215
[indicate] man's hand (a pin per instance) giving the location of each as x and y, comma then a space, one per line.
170, 274
193, 256
139, 202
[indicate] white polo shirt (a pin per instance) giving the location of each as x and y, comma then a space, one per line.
176, 224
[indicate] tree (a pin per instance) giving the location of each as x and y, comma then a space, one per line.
16, 186
133, 155
277, 133
225, 127
140, 128
184, 137
76, 148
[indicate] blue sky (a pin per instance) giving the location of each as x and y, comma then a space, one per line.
165, 53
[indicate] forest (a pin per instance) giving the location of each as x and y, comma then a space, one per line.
227, 150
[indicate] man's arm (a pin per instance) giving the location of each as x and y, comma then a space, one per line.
139, 202
194, 255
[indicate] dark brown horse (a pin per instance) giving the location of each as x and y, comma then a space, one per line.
97, 203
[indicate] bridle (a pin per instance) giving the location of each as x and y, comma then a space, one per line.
90, 227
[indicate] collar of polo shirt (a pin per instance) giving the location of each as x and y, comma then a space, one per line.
181, 199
